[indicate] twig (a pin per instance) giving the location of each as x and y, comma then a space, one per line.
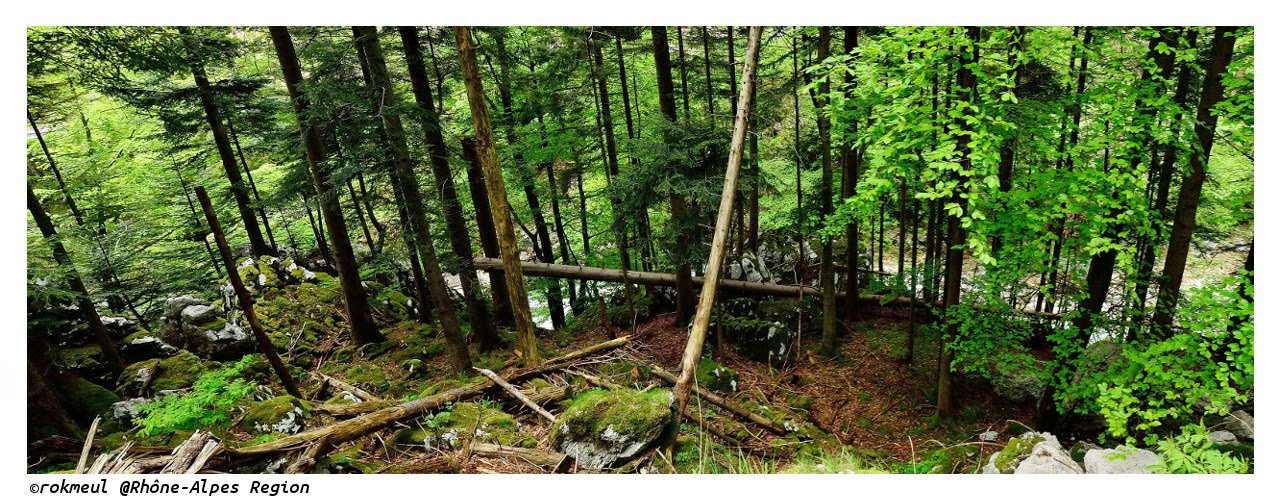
88, 444
516, 393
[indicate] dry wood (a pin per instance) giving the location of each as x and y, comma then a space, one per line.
365, 396
534, 456
306, 462
365, 424
515, 392
721, 402
210, 448
88, 444
185, 455
715, 262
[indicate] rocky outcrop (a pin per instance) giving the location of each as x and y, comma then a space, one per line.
208, 329
1048, 457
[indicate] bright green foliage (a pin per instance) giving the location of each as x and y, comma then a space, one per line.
1164, 380
1191, 452
207, 405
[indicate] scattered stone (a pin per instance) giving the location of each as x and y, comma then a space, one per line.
988, 436
173, 306
1018, 449
1047, 457
285, 414
602, 428
1120, 460
1240, 424
1222, 436
199, 314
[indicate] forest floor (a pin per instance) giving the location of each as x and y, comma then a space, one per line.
879, 407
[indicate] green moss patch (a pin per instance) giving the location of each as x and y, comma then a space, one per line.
713, 376
285, 414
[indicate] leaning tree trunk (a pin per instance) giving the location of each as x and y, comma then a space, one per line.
84, 302
1184, 218
715, 262
459, 238
223, 144
459, 357
497, 190
362, 327
667, 102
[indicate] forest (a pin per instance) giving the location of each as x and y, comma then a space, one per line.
640, 249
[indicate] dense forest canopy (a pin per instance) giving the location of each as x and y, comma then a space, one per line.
1059, 217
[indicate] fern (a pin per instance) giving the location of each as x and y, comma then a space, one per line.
207, 405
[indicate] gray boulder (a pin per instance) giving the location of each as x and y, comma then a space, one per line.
173, 306
1121, 460
199, 314
1240, 424
1222, 436
1018, 449
1048, 458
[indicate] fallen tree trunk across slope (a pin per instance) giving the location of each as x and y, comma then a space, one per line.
660, 279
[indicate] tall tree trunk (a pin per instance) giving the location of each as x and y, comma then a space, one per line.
1077, 109
1160, 207
459, 357
561, 238
1005, 171
486, 229
968, 82
488, 156
368, 209
666, 100
1184, 218
801, 266
223, 144
828, 272
363, 330
459, 238
542, 244
84, 301
851, 166
201, 233
611, 155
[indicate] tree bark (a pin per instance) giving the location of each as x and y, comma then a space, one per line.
487, 232
611, 155
851, 168
223, 144
253, 187
1184, 218
362, 327
715, 262
459, 238
488, 156
53, 165
968, 82
667, 102
828, 273
246, 299
460, 358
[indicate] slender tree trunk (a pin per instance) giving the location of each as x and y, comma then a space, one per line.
684, 74
368, 208
223, 144
245, 298
851, 166
1184, 218
561, 238
1005, 170
706, 60
1160, 207
968, 81
828, 272
460, 358
487, 232
459, 238
698, 334
611, 155
253, 187
363, 330
488, 156
201, 233
684, 287
801, 266
84, 301
911, 311
355, 201
53, 165
1074, 138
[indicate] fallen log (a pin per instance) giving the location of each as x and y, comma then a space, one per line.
554, 460
362, 425
721, 402
354, 390
515, 392
660, 279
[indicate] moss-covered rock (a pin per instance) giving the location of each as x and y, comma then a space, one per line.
285, 414
86, 400
713, 376
368, 376
349, 460
759, 340
602, 427
468, 421
1007, 460
374, 350
173, 373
